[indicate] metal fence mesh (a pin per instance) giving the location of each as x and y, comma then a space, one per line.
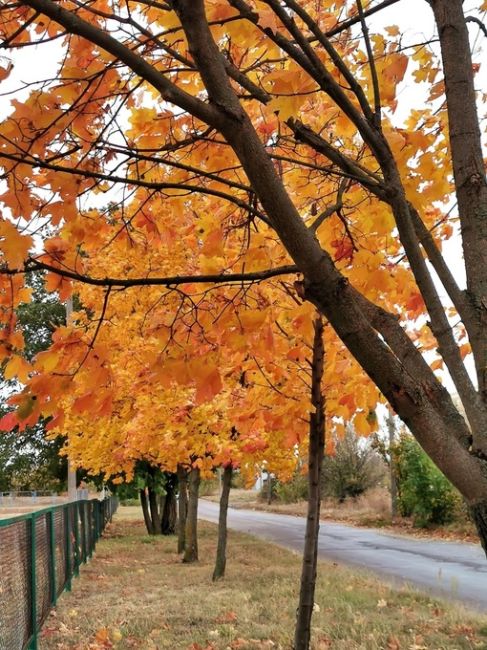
39, 554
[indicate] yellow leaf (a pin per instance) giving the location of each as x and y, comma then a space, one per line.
17, 367
47, 360
361, 424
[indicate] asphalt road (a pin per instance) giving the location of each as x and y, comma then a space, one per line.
453, 570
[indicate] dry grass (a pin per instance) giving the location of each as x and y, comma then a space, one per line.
135, 593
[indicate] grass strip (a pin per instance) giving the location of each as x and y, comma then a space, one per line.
136, 593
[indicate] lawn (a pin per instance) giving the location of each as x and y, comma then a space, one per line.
135, 593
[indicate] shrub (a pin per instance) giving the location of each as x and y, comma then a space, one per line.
294, 490
208, 487
130, 502
354, 468
424, 493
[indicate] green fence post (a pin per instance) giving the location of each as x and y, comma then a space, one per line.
33, 583
76, 556
97, 521
83, 530
52, 556
89, 506
68, 544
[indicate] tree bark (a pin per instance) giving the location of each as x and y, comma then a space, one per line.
145, 510
221, 552
154, 510
183, 507
191, 543
391, 428
169, 510
469, 174
302, 635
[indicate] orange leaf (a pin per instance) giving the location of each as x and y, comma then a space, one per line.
17, 367
9, 421
208, 385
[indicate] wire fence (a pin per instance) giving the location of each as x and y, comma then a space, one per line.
39, 554
16, 498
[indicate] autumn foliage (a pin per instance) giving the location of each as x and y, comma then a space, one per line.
202, 175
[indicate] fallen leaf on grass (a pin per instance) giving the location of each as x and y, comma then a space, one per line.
227, 617
393, 643
116, 635
324, 643
102, 638
47, 631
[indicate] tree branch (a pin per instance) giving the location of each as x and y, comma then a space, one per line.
33, 264
74, 24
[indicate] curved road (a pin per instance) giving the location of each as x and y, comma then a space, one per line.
454, 570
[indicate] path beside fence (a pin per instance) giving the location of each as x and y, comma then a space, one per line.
40, 552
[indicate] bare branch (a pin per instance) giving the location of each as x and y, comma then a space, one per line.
477, 21
373, 69
74, 24
33, 264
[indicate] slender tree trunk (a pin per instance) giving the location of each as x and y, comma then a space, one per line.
269, 488
221, 553
169, 511
191, 543
183, 507
391, 428
145, 510
154, 511
302, 634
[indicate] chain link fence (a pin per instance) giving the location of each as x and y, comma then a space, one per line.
39, 554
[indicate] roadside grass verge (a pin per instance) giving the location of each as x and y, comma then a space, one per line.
136, 593
371, 510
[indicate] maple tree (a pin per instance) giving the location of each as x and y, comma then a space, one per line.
186, 143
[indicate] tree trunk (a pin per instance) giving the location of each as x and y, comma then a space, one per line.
191, 543
145, 510
169, 511
374, 336
183, 507
269, 488
302, 635
221, 553
391, 428
154, 511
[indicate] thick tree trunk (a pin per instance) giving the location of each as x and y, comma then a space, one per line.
479, 515
145, 510
154, 511
169, 509
191, 543
182, 506
221, 552
302, 635
391, 428
169, 515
